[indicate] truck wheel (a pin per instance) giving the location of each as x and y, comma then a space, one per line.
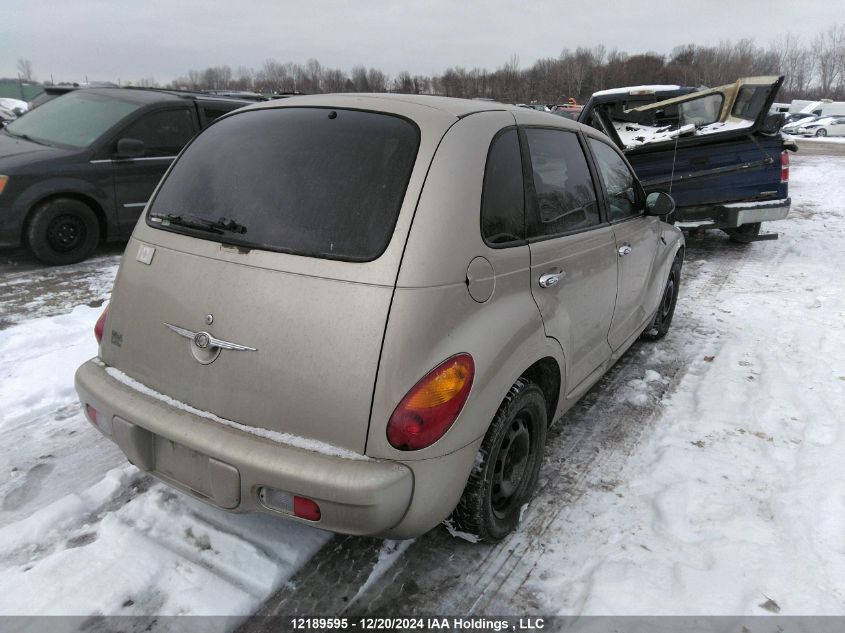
503, 479
821, 132
63, 231
666, 310
744, 234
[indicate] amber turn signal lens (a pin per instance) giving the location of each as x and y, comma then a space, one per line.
441, 387
429, 409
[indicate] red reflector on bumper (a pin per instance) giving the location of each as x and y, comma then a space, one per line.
306, 509
91, 412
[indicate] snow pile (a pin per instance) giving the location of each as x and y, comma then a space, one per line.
82, 532
735, 502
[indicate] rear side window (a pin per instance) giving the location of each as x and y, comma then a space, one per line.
624, 196
164, 133
307, 181
564, 198
211, 113
503, 198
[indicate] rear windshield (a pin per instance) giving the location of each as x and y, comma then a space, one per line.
308, 181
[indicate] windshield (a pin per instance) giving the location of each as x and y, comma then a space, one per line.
308, 181
74, 120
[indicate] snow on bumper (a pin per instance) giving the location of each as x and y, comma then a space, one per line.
228, 467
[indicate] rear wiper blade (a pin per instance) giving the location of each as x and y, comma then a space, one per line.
193, 222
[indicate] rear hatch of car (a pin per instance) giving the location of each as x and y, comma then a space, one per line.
258, 282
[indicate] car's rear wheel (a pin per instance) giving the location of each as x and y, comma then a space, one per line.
821, 132
63, 231
659, 327
503, 479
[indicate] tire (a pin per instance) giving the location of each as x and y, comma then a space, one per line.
504, 478
821, 132
62, 231
744, 234
666, 310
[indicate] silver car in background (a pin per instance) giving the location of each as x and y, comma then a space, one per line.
362, 312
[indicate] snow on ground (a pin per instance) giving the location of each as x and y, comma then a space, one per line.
736, 495
82, 532
727, 495
818, 139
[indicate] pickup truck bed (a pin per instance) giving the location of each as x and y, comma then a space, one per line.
731, 177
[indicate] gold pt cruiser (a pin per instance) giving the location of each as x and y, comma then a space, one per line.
362, 312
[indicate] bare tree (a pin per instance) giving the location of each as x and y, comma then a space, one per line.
25, 69
828, 55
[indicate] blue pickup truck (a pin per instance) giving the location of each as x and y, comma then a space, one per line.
718, 151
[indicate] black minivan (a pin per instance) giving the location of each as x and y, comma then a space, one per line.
78, 170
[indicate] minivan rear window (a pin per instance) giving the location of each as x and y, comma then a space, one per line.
317, 182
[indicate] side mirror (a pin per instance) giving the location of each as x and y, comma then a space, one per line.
130, 148
659, 203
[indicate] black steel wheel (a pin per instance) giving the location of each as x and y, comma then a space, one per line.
62, 231
659, 327
503, 480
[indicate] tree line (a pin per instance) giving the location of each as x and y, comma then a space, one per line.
813, 69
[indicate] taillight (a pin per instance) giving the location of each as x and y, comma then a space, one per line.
91, 412
784, 167
432, 406
100, 325
302, 507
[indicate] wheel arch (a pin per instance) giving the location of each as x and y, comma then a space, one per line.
546, 374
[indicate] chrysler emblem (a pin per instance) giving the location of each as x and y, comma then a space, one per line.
205, 341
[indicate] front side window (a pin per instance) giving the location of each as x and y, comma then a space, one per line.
564, 199
307, 181
624, 195
503, 197
74, 120
164, 133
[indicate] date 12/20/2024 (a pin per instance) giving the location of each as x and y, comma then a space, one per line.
421, 624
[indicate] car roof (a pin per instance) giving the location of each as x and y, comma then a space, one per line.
410, 105
145, 96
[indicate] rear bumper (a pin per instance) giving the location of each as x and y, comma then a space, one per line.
732, 215
228, 467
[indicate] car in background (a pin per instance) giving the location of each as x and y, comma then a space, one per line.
50, 93
11, 109
492, 262
793, 126
824, 126
79, 169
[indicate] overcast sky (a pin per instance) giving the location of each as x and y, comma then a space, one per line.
130, 39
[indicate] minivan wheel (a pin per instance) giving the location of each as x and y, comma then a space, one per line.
63, 231
666, 310
504, 477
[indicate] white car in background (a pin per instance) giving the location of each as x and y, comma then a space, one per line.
793, 126
825, 126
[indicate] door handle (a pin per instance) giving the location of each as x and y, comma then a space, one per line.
625, 249
551, 278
